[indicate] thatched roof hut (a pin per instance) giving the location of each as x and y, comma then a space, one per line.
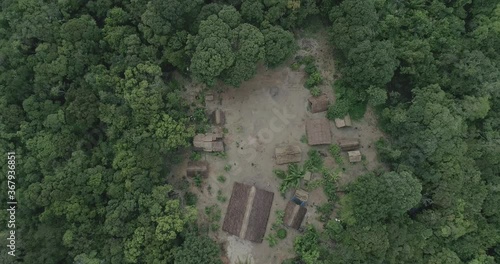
348, 144
318, 104
354, 156
197, 168
218, 117
343, 122
300, 196
318, 131
210, 142
294, 215
248, 212
288, 154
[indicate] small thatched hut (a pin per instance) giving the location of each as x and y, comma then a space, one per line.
197, 168
343, 122
248, 212
348, 144
318, 131
318, 104
288, 154
218, 117
294, 215
210, 142
354, 156
300, 197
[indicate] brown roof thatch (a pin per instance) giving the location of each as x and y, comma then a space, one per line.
209, 142
354, 156
318, 104
259, 215
343, 122
288, 154
348, 144
294, 215
197, 168
218, 117
248, 212
318, 131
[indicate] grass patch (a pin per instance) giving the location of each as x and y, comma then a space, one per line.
303, 139
190, 198
221, 178
220, 197
227, 167
335, 151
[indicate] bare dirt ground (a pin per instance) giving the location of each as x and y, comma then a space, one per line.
267, 111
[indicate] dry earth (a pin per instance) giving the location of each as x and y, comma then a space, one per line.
266, 111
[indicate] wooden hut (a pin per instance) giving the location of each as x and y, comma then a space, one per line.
294, 215
288, 154
354, 156
348, 144
318, 132
343, 122
197, 168
210, 142
248, 212
318, 104
218, 117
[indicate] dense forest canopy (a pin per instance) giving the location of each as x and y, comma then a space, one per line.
90, 107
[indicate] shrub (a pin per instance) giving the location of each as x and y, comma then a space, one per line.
335, 152
221, 198
303, 139
338, 110
221, 179
315, 91
310, 68
272, 240
197, 180
195, 156
190, 198
313, 80
228, 167
280, 173
281, 233
314, 163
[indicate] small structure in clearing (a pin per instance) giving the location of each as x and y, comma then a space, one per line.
300, 197
248, 212
288, 154
210, 142
318, 104
294, 215
354, 156
348, 144
197, 168
343, 122
218, 117
318, 132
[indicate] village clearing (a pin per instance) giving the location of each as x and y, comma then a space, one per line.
267, 111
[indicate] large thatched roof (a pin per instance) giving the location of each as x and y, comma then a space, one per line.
294, 215
248, 212
318, 104
288, 154
318, 131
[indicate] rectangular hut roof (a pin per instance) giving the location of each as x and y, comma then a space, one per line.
197, 167
319, 104
288, 154
354, 156
348, 144
248, 212
294, 215
318, 131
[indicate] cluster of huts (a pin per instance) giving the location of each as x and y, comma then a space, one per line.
249, 207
